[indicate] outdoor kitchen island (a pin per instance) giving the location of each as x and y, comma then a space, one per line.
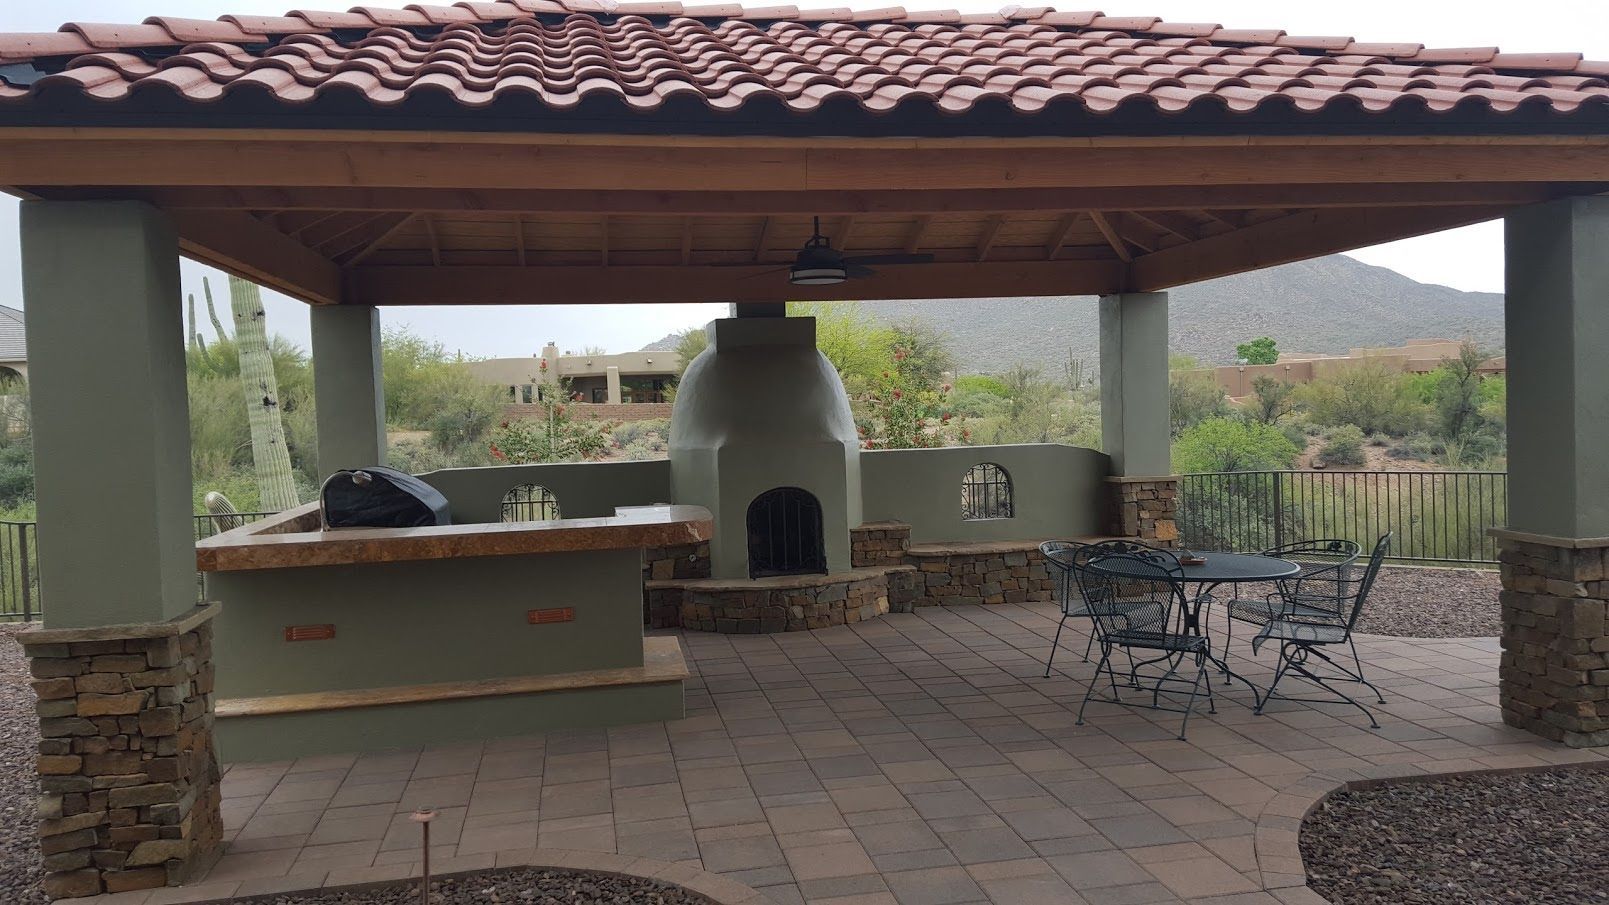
366, 639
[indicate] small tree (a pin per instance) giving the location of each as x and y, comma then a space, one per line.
1273, 400
903, 407
1192, 399
1343, 445
1260, 351
1458, 393
689, 343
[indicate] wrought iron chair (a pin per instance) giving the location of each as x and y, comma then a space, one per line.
1305, 626
1136, 598
1061, 560
1323, 563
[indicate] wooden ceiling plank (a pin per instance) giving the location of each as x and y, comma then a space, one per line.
1167, 222
687, 240
519, 238
459, 285
844, 233
603, 240
1112, 238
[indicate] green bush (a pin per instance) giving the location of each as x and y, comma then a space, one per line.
1232, 444
982, 383
629, 432
1343, 446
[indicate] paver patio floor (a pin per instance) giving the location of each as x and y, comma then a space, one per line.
918, 759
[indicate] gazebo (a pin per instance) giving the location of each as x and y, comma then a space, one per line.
584, 151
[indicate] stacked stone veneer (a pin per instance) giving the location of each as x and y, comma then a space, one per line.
993, 574
791, 604
686, 562
128, 774
877, 544
1145, 508
1555, 667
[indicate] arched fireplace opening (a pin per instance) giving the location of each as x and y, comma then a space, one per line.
785, 536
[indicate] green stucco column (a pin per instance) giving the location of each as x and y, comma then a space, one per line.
1555, 549
110, 413
1557, 322
1134, 383
348, 387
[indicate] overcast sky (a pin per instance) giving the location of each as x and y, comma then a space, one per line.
1469, 258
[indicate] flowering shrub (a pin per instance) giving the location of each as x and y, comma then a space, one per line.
553, 438
904, 409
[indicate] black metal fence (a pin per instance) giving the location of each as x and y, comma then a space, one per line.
1438, 516
19, 560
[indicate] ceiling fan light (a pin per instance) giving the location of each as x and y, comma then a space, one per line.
816, 276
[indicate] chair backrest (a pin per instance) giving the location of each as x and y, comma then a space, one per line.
1059, 555
1129, 589
1326, 569
1366, 583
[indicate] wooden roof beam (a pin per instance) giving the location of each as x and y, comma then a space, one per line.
253, 250
377, 242
459, 285
918, 230
990, 232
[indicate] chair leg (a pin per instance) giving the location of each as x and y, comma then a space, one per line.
1229, 643
1054, 644
1356, 660
1093, 628
1106, 656
1279, 673
1201, 672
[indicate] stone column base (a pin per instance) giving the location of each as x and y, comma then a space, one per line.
1144, 508
1555, 668
128, 776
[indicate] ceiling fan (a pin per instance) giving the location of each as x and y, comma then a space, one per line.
819, 264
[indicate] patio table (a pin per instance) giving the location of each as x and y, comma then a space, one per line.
1219, 568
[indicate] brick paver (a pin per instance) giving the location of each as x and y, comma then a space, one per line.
917, 759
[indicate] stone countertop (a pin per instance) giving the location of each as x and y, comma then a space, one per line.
292, 539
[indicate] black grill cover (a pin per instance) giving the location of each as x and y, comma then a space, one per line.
379, 497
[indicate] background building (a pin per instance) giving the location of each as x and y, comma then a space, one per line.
625, 385
1418, 356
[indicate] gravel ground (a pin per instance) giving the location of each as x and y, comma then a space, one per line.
1433, 603
521, 886
20, 872
1520, 838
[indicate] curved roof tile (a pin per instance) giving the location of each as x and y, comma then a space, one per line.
562, 53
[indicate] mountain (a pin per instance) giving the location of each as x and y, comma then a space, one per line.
1326, 304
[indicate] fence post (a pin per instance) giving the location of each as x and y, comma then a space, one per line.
1279, 509
27, 585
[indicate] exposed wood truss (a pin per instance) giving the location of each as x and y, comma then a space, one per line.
419, 220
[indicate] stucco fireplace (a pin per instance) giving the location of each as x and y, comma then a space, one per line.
763, 437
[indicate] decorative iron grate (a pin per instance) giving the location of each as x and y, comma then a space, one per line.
785, 536
986, 493
530, 503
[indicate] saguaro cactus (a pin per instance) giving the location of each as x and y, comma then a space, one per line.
269, 455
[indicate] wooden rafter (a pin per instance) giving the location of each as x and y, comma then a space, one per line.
990, 232
380, 240
435, 243
384, 225
1059, 236
687, 240
295, 224
761, 238
1111, 236
335, 232
913, 238
844, 232
253, 250
1167, 222
603, 240
519, 238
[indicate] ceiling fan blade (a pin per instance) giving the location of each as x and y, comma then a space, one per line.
764, 273
890, 259
857, 271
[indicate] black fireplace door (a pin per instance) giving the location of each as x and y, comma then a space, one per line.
785, 534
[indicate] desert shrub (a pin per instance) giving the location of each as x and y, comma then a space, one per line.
982, 383
628, 432
1343, 445
1232, 444
1370, 396
1192, 399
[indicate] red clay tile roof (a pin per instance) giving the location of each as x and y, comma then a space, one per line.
542, 60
